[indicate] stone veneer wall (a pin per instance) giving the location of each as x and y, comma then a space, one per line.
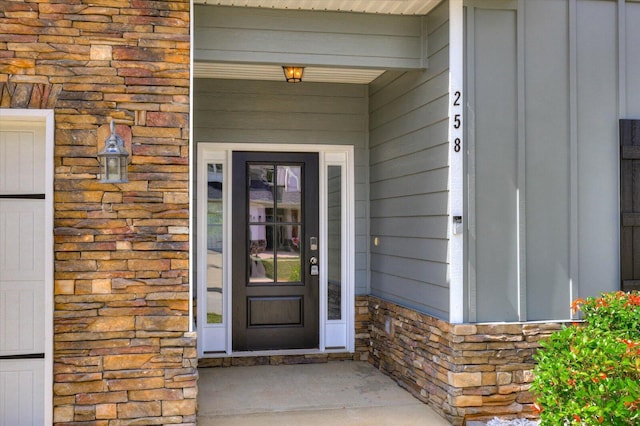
122, 350
464, 371
362, 327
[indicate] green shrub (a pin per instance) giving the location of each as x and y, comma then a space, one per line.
589, 373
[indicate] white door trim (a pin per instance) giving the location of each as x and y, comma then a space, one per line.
45, 116
331, 331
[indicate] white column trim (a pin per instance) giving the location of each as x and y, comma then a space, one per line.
457, 153
521, 221
192, 170
573, 153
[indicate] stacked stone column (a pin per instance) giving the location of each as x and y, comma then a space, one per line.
123, 352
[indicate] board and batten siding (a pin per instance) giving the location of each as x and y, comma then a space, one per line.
270, 36
630, 98
408, 158
264, 112
547, 81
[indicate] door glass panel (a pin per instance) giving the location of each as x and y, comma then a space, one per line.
215, 207
275, 208
261, 254
288, 254
289, 193
261, 179
261, 207
334, 245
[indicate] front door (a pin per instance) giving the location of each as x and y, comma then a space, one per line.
275, 251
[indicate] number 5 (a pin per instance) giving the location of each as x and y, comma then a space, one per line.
456, 121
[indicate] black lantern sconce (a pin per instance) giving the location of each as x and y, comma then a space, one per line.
114, 159
293, 74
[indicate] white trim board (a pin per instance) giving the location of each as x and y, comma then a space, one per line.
456, 161
46, 117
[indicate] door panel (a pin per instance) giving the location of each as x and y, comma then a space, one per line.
21, 392
22, 245
22, 158
275, 311
275, 216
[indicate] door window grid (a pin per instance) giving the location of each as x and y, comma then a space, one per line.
275, 211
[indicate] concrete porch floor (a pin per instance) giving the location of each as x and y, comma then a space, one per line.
335, 393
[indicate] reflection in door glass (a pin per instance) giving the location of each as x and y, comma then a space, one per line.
261, 268
288, 260
260, 196
275, 205
215, 208
261, 204
334, 245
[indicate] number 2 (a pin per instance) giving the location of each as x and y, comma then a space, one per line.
456, 101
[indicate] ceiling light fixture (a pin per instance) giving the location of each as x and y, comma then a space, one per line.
293, 74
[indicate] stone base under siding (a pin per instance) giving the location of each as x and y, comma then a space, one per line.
464, 371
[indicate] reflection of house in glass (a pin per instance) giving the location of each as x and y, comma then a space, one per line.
214, 243
274, 222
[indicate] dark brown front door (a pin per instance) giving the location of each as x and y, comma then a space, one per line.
275, 246
630, 204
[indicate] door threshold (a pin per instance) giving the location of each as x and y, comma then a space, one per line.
283, 357
279, 352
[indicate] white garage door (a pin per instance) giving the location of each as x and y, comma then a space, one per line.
22, 273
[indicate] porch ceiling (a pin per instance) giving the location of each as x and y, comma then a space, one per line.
393, 7
311, 74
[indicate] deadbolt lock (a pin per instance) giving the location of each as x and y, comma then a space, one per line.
313, 263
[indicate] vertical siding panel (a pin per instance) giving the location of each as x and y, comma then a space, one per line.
495, 164
597, 90
632, 92
575, 89
409, 157
547, 159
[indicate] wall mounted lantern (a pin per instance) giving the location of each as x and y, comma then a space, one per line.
293, 74
114, 159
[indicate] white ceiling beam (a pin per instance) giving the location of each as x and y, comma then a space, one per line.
389, 7
274, 73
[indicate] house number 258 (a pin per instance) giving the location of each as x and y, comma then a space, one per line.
457, 122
